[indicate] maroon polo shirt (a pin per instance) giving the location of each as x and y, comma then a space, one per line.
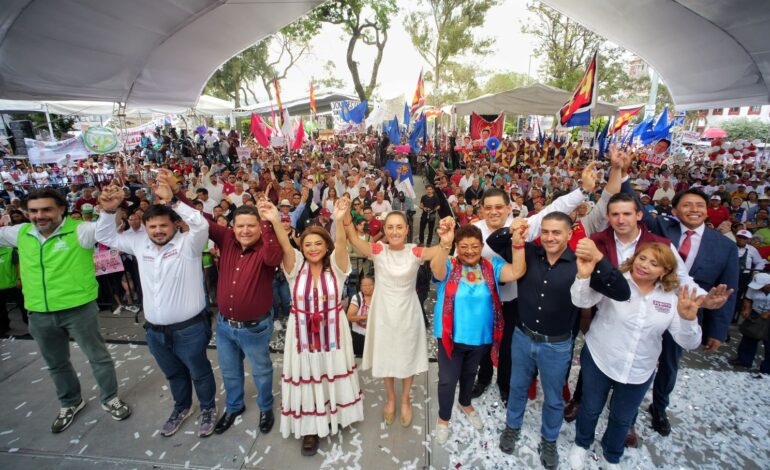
245, 285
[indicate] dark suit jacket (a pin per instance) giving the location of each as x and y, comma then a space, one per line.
716, 263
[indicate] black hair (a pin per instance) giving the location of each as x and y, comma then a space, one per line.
246, 210
46, 193
561, 216
202, 191
493, 192
469, 231
396, 213
693, 191
159, 210
623, 197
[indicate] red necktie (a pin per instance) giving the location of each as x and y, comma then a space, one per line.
684, 249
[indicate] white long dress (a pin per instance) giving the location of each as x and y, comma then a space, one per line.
319, 383
396, 343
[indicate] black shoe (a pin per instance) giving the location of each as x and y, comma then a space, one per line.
549, 455
266, 421
735, 362
478, 389
508, 439
227, 420
660, 421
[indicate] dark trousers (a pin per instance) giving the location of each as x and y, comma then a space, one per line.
181, 355
430, 222
743, 285
510, 312
358, 343
460, 368
624, 403
423, 296
11, 295
132, 270
668, 367
747, 350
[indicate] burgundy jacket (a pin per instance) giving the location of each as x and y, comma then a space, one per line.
605, 242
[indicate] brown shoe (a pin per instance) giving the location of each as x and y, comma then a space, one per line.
571, 411
310, 445
632, 441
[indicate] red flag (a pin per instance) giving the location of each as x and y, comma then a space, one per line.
260, 130
312, 99
577, 111
624, 116
278, 99
419, 95
479, 124
298, 137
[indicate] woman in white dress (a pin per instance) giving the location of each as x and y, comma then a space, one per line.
319, 384
396, 342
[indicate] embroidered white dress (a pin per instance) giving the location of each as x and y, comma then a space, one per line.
396, 343
319, 383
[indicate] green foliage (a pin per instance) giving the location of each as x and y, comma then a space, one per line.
504, 81
60, 124
367, 21
745, 128
598, 124
442, 31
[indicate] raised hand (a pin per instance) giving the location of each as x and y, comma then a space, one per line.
341, 209
688, 303
717, 297
446, 231
110, 198
168, 178
267, 211
163, 192
589, 177
519, 230
587, 257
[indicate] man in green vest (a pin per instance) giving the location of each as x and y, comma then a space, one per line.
60, 289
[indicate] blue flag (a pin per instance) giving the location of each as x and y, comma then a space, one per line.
419, 131
662, 123
358, 113
641, 128
603, 140
393, 131
406, 170
406, 115
344, 113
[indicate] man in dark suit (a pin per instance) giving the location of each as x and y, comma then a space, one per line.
712, 260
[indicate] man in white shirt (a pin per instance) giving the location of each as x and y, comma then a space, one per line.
202, 195
665, 190
749, 262
178, 327
380, 205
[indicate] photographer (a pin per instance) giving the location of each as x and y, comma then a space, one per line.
429, 204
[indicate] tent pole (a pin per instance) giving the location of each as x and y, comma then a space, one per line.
52, 138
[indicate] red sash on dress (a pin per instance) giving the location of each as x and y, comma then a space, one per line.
317, 325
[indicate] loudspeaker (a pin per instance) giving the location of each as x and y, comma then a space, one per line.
21, 130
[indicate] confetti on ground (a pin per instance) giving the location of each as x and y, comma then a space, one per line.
148, 453
83, 449
21, 405
195, 446
163, 454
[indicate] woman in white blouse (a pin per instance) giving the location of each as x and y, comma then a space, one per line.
624, 342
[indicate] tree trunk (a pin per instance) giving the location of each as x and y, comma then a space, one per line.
376, 66
353, 66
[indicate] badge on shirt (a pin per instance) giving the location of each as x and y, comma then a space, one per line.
662, 307
60, 245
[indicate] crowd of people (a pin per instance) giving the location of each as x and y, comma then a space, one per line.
537, 245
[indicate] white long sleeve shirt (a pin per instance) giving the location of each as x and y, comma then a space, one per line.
625, 338
85, 233
172, 274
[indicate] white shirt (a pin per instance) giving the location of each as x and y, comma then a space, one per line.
466, 182
379, 208
209, 205
85, 233
172, 274
625, 338
754, 260
236, 199
695, 240
760, 301
660, 193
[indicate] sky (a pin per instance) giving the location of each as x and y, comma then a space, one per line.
401, 63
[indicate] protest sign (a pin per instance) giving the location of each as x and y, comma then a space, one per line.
244, 153
100, 140
107, 262
40, 151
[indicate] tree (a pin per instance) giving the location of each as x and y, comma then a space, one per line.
568, 47
745, 128
367, 21
60, 124
504, 81
330, 80
442, 31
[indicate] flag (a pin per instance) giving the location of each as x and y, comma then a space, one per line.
260, 130
603, 140
344, 113
577, 111
312, 98
540, 135
641, 128
624, 117
286, 130
358, 113
478, 124
298, 137
278, 100
662, 123
407, 115
406, 170
418, 100
272, 118
393, 131
420, 130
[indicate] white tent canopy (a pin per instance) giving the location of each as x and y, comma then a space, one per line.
138, 52
711, 54
537, 99
207, 105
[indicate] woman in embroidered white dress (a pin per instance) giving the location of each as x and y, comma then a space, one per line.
396, 344
319, 384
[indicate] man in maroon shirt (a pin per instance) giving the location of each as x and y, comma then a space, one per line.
249, 255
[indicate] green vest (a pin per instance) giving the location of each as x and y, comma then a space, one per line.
8, 275
59, 274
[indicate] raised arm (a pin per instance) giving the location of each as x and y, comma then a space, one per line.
518, 266
440, 256
199, 228
268, 212
363, 247
106, 231
341, 209
444, 225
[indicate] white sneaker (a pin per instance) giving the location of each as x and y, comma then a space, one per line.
133, 308
474, 418
277, 325
442, 433
610, 466
577, 457
118, 310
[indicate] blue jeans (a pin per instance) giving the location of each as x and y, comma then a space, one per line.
624, 403
668, 367
281, 297
233, 344
551, 361
181, 355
